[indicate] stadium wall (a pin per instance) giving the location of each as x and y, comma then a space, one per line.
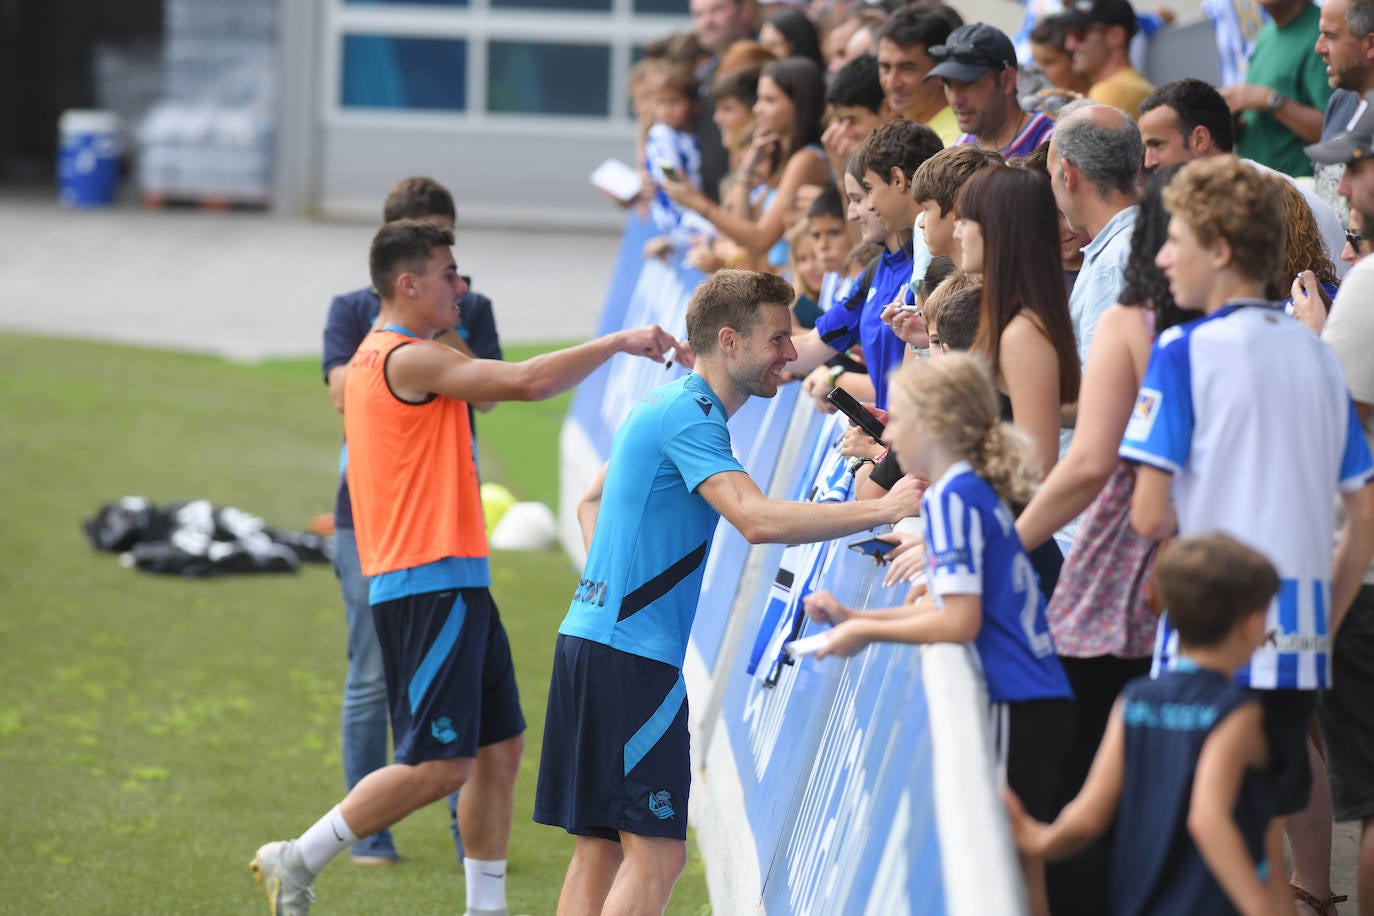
861, 786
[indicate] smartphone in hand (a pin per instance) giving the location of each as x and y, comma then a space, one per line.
844, 402
874, 547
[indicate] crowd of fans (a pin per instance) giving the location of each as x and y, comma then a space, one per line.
1096, 242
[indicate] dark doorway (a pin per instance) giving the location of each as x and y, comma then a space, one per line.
48, 64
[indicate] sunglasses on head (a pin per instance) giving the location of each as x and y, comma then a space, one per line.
965, 52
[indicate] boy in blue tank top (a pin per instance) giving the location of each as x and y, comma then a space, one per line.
1183, 770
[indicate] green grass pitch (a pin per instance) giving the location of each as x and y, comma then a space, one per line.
154, 731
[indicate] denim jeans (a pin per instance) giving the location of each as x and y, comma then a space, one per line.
364, 700
365, 714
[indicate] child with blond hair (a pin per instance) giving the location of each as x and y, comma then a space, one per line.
945, 427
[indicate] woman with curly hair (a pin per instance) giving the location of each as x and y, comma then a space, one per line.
1307, 274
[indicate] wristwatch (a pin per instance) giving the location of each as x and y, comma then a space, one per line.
1274, 101
857, 462
835, 373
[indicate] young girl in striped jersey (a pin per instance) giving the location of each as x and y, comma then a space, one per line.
945, 428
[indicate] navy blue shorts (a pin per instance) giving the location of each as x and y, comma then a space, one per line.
616, 751
450, 682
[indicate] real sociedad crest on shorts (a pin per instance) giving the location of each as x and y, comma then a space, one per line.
661, 804
442, 729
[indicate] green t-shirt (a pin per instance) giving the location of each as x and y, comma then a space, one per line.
1283, 60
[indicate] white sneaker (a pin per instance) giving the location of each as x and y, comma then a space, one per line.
286, 895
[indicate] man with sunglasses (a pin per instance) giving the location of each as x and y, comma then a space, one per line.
977, 67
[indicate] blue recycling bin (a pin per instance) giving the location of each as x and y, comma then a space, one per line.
87, 158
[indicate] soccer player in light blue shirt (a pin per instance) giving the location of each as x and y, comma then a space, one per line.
615, 770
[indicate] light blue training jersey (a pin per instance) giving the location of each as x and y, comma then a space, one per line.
640, 586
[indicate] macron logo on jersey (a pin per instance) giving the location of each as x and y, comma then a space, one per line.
1143, 414
705, 405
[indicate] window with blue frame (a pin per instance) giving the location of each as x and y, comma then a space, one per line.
406, 2
390, 71
577, 5
537, 78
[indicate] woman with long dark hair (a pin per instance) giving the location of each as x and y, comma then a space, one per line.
787, 142
1024, 331
788, 33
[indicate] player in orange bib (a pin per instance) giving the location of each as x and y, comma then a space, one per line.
455, 708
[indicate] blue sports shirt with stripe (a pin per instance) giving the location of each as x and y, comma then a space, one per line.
1249, 411
972, 549
852, 323
640, 586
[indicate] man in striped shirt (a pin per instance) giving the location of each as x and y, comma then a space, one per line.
977, 66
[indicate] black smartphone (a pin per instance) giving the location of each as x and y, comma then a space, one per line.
670, 173
873, 547
844, 402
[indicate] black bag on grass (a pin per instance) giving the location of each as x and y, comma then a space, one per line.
195, 539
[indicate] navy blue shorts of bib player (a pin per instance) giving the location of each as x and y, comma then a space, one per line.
616, 753
449, 677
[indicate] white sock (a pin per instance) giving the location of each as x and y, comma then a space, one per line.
486, 883
326, 839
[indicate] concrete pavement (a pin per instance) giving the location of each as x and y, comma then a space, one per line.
249, 285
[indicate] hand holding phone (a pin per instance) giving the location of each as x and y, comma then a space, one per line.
874, 547
844, 402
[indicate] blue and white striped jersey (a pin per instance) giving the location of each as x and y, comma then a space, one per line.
1248, 410
1235, 24
972, 549
676, 149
